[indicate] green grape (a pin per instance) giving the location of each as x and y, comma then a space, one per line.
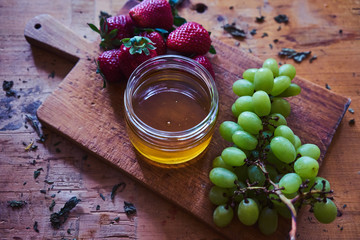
262, 103
319, 185
249, 74
287, 70
218, 195
223, 215
272, 172
241, 172
247, 152
219, 162
297, 142
227, 129
283, 149
250, 122
244, 140
325, 212
310, 150
243, 87
271, 64
281, 83
278, 177
286, 132
283, 211
290, 182
268, 221
266, 134
292, 90
222, 177
248, 212
255, 154
280, 105
264, 80
244, 103
235, 111
233, 156
280, 166
306, 167
276, 119
256, 175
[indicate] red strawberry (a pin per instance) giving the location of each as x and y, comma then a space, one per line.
134, 52
131, 61
114, 64
123, 23
206, 63
152, 14
189, 38
109, 65
113, 29
158, 41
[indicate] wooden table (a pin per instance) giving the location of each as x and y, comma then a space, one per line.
330, 29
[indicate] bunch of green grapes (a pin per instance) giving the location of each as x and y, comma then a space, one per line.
267, 161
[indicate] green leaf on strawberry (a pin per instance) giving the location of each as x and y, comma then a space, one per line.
98, 71
113, 29
94, 28
212, 50
138, 45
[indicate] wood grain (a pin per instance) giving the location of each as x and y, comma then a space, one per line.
313, 26
93, 117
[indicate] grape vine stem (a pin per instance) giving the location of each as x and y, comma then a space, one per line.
285, 200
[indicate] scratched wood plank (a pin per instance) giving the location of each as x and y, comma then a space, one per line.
97, 124
336, 65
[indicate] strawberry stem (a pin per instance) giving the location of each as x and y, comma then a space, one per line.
138, 45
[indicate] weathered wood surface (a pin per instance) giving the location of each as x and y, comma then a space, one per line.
157, 219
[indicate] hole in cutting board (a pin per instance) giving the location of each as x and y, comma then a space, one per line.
37, 26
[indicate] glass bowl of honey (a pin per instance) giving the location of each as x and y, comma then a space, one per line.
171, 107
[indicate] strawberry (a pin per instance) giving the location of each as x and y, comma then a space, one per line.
109, 65
113, 29
135, 51
117, 64
124, 25
158, 41
206, 63
189, 38
152, 14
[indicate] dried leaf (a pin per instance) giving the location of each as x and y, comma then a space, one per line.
235, 32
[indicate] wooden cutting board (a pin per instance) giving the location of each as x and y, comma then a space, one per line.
93, 117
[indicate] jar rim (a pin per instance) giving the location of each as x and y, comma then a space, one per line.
172, 135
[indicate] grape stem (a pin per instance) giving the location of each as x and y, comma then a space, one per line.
285, 200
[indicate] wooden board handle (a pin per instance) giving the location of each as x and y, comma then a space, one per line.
46, 32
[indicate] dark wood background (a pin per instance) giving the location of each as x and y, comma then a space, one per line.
36, 73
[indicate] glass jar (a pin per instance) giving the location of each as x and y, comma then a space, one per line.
171, 107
